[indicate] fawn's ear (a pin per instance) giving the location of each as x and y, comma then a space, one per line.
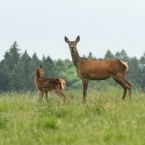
78, 39
66, 39
40, 65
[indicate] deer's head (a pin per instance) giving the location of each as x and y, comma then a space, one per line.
41, 70
72, 44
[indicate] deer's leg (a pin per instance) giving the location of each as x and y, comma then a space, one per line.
124, 94
46, 95
129, 88
85, 86
123, 84
41, 95
59, 93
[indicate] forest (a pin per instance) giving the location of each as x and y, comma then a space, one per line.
17, 70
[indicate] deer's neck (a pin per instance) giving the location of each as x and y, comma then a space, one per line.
37, 75
76, 58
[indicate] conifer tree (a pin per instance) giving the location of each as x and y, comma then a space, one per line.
108, 54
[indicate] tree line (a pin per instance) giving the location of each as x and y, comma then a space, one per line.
17, 70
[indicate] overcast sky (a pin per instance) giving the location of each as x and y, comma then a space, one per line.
40, 26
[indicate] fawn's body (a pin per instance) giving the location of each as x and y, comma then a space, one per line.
48, 84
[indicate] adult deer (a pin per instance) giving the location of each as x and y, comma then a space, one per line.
98, 69
48, 84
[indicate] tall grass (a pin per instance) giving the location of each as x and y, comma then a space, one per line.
104, 119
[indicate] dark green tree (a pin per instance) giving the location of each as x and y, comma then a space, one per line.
141, 67
4, 77
49, 66
122, 55
35, 60
133, 73
28, 71
90, 55
108, 54
9, 65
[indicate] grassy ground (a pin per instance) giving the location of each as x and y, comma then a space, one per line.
104, 120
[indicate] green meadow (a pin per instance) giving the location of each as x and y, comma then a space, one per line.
104, 119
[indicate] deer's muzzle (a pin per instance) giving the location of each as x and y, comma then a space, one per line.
72, 49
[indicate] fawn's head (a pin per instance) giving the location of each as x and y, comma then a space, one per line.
40, 70
72, 44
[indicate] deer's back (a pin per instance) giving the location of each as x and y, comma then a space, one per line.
47, 84
100, 68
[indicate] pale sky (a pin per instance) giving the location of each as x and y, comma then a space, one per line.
40, 26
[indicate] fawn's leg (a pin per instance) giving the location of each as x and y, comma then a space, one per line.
41, 95
59, 93
46, 95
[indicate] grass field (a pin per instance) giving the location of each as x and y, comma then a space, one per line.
104, 120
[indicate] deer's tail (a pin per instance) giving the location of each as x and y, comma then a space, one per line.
125, 64
60, 84
63, 83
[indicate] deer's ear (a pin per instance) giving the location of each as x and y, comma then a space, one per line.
78, 39
66, 39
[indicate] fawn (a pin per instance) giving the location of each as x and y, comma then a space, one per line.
48, 84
